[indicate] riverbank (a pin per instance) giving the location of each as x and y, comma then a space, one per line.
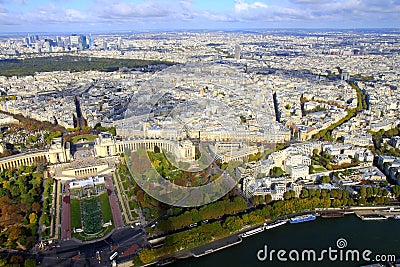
216, 246
236, 239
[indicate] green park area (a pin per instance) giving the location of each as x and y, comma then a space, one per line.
85, 214
317, 168
29, 66
92, 219
76, 218
105, 208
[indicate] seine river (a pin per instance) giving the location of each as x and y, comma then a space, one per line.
380, 237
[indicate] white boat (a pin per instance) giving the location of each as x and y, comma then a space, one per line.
275, 224
253, 232
373, 217
208, 251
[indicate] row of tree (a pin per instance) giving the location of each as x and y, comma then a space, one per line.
17, 260
326, 134
214, 210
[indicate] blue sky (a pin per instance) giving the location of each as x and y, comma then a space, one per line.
123, 15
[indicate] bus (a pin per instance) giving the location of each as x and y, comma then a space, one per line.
115, 254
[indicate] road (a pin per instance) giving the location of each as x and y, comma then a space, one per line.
75, 253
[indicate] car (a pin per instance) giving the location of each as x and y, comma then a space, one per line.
193, 225
98, 257
205, 221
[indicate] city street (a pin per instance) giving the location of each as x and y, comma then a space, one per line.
75, 253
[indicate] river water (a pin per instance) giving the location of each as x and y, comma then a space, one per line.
382, 238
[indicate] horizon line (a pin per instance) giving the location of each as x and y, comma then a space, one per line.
324, 29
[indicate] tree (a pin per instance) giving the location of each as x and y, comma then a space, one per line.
15, 233
396, 190
287, 195
268, 198
369, 191
15, 191
147, 255
233, 224
304, 193
16, 259
325, 180
44, 219
276, 172
255, 201
30, 263
363, 192
3, 261
32, 218
36, 207
385, 192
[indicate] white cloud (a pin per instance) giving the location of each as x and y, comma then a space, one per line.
242, 6
218, 17
75, 15
130, 11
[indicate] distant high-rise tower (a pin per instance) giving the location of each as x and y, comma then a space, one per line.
120, 42
75, 40
91, 42
237, 51
84, 42
33, 38
78, 41
59, 41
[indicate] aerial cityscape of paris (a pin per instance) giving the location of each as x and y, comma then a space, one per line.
200, 133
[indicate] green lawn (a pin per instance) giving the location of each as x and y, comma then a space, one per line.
75, 214
105, 208
91, 218
134, 214
85, 137
317, 168
132, 205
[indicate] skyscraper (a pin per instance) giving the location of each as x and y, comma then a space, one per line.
91, 42
59, 41
84, 42
237, 51
75, 40
78, 41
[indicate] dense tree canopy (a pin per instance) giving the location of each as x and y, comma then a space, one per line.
29, 66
